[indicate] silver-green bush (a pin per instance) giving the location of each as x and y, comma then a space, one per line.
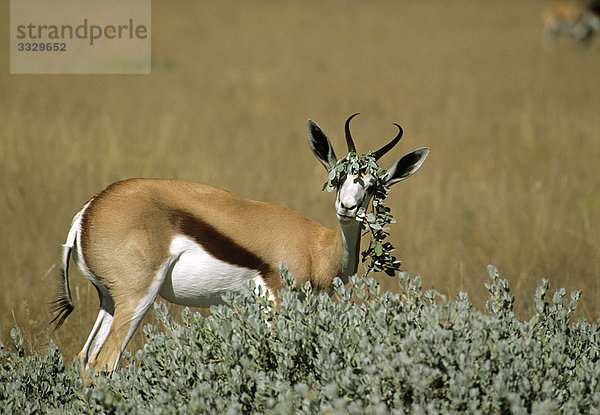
362, 352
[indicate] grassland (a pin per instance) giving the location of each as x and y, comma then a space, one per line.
514, 131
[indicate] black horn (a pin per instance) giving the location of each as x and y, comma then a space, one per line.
379, 153
351, 147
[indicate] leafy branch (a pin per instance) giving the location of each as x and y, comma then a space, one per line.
378, 253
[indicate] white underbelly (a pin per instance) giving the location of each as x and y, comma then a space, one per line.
198, 279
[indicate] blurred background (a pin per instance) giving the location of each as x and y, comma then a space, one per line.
513, 126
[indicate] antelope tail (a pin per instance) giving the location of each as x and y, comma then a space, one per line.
63, 305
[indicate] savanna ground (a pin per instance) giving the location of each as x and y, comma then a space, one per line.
513, 177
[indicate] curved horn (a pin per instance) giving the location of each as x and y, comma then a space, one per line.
351, 147
388, 146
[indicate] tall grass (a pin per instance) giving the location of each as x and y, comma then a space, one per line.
514, 131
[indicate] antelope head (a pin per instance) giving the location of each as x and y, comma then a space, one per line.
355, 177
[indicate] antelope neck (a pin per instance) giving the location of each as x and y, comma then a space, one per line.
350, 234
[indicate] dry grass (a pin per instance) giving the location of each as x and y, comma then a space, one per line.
512, 178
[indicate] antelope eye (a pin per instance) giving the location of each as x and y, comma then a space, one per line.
369, 187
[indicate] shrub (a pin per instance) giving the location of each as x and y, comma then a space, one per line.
361, 352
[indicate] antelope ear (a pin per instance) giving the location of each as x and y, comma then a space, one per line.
406, 166
320, 145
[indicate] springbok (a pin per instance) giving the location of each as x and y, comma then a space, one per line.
191, 243
576, 20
